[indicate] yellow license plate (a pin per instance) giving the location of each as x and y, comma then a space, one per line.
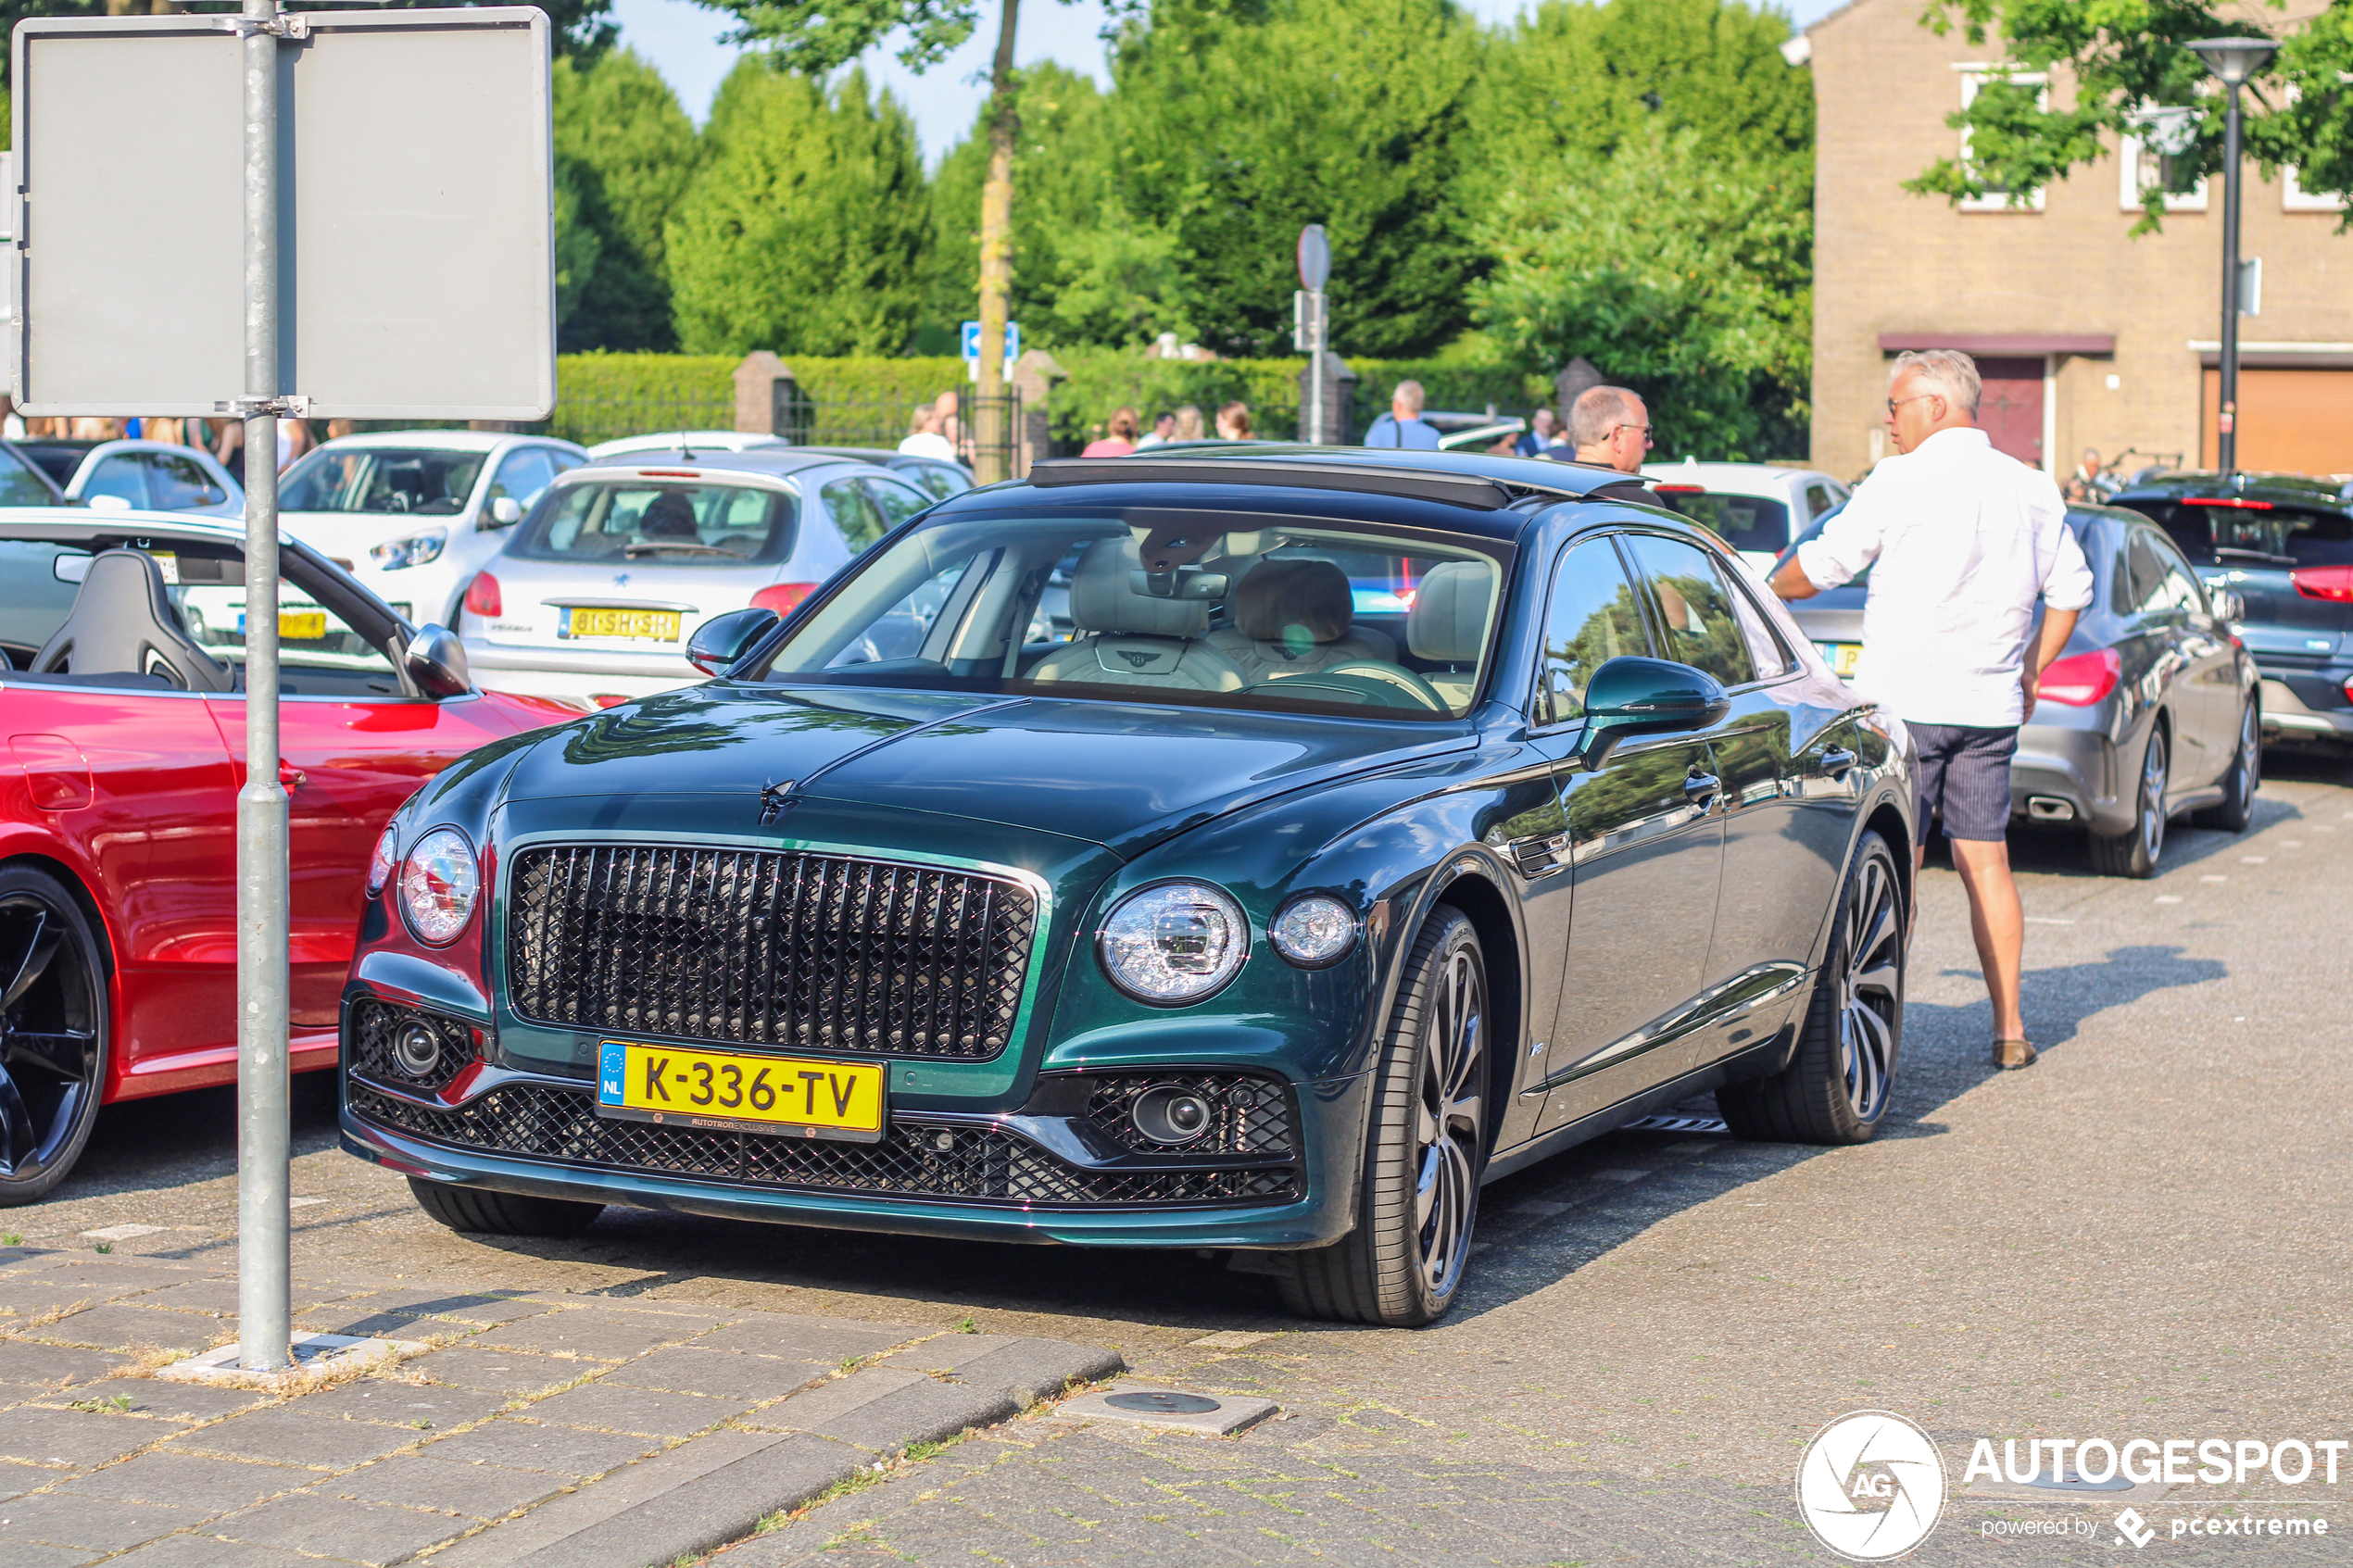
649, 625
699, 1088
301, 625
1842, 657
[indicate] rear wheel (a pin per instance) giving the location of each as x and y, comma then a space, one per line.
1837, 1085
2136, 851
502, 1213
53, 1033
2236, 809
1424, 1151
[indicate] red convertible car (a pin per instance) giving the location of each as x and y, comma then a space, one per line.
121, 752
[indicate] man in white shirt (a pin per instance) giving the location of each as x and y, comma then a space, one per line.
1961, 541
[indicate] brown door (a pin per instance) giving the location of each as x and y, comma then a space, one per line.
2011, 411
2290, 421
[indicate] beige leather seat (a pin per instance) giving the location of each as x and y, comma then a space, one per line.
1448, 625
1294, 618
1137, 640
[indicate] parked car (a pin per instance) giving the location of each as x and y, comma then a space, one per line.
1756, 507
122, 698
2284, 545
24, 483
684, 441
136, 475
935, 476
1201, 931
599, 592
2150, 713
414, 513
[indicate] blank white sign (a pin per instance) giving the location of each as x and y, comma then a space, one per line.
415, 243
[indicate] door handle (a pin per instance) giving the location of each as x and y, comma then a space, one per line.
1700, 789
289, 775
1836, 762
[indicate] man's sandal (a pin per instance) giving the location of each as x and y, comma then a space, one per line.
2011, 1054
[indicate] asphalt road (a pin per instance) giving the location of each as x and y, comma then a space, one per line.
2144, 1235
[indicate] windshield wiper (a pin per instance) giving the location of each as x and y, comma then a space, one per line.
649, 546
2264, 556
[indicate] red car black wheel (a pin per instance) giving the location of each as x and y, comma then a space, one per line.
53, 1033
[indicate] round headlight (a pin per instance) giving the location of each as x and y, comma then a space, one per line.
437, 886
1174, 943
386, 856
1314, 930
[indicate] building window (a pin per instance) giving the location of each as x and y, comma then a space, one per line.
2162, 157
2294, 197
1974, 79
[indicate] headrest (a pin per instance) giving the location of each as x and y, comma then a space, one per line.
1449, 619
1102, 601
1280, 594
670, 516
122, 622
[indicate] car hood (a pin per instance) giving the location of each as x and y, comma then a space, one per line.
1125, 776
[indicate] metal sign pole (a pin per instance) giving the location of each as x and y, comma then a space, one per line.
265, 1330
1315, 269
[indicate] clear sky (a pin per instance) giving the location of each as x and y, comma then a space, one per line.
682, 40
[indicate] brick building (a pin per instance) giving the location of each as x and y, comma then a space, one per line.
2086, 337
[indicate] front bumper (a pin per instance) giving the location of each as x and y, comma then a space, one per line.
1034, 1178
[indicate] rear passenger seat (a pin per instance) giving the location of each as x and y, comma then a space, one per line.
1294, 618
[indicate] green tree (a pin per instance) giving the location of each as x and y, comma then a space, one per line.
807, 228
1090, 272
1682, 275
1239, 126
2120, 60
629, 152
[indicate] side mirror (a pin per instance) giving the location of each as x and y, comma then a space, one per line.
724, 639
2229, 608
1631, 697
437, 661
505, 512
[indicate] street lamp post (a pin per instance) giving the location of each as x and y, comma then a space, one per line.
2231, 61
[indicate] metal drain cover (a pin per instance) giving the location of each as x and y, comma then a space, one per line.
1161, 1402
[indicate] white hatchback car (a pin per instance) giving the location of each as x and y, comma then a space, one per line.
1756, 507
134, 475
415, 513
597, 594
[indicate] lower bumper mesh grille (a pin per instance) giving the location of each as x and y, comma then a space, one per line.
918, 1159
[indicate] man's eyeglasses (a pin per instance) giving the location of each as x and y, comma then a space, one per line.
1895, 403
1644, 429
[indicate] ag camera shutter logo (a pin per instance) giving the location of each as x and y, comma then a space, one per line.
1870, 1486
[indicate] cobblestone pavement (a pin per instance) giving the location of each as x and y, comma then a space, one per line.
2144, 1235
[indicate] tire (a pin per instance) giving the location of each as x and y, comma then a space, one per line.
2236, 811
2136, 851
1424, 1149
53, 1033
1838, 1084
502, 1213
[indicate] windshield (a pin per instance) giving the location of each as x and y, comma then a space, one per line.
2258, 535
659, 523
1745, 522
20, 486
419, 482
1246, 612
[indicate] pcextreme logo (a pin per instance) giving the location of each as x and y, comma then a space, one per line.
1870, 1486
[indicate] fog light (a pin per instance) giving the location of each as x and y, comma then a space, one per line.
417, 1049
1170, 1115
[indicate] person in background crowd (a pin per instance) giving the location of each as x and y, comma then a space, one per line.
1163, 430
86, 427
338, 429
1119, 440
951, 428
923, 439
1961, 541
1609, 427
1189, 425
2083, 484
293, 440
1401, 427
1540, 434
1233, 423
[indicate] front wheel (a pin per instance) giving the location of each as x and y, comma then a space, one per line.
2236, 811
2135, 852
502, 1213
1424, 1151
1837, 1085
53, 1033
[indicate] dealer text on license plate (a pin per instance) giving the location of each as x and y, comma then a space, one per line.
1841, 657
648, 625
769, 1094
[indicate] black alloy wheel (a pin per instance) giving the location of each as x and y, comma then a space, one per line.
2236, 811
1837, 1085
53, 1033
1425, 1149
2136, 851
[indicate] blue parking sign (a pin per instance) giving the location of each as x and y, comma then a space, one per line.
972, 342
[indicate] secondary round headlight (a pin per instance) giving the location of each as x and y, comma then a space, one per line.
1314, 930
437, 886
1174, 943
386, 854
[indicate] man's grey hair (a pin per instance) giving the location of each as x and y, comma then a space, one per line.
1598, 409
1409, 393
1949, 371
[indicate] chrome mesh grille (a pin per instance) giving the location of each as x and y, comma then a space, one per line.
768, 948
918, 1159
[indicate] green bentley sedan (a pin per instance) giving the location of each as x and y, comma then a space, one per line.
1252, 852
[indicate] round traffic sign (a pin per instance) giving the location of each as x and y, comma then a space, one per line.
1315, 259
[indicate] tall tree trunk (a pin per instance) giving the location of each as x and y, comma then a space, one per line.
997, 256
